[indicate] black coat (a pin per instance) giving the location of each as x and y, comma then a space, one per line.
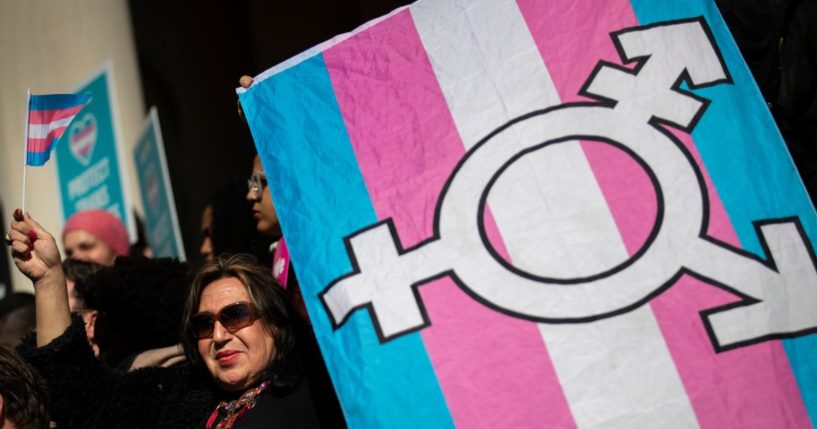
778, 40
83, 393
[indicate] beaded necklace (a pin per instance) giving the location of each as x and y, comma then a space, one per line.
236, 409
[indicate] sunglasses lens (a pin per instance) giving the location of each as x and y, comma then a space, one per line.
202, 325
236, 316
232, 317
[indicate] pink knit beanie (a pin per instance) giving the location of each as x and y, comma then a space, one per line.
102, 224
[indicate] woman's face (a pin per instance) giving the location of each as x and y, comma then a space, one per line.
266, 220
84, 246
236, 360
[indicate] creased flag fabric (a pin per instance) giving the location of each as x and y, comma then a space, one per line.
573, 213
48, 117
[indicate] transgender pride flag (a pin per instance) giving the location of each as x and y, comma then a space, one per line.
519, 213
48, 117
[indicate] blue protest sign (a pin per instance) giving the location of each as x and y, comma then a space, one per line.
90, 170
161, 221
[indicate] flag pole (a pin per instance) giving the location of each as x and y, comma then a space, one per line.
25, 148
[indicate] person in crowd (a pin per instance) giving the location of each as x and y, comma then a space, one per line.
76, 274
17, 318
229, 298
266, 221
139, 303
263, 209
228, 226
95, 236
22, 394
238, 336
258, 193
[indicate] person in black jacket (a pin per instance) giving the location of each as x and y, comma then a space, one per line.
237, 336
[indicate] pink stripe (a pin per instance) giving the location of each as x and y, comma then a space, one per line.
44, 144
573, 36
406, 145
632, 200
750, 387
47, 116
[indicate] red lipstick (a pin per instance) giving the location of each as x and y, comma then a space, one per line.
226, 357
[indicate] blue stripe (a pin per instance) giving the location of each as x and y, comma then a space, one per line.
321, 197
737, 131
37, 159
58, 101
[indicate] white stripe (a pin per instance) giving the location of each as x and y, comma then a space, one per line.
551, 213
40, 131
483, 56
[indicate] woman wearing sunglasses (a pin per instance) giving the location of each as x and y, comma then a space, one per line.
238, 338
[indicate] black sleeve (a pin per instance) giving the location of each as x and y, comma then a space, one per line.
85, 393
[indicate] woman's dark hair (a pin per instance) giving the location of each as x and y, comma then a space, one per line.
23, 391
79, 272
270, 301
140, 303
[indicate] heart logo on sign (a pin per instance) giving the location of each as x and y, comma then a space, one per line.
82, 138
152, 186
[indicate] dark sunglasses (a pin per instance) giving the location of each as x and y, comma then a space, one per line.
232, 317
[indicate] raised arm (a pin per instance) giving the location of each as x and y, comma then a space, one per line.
83, 392
36, 255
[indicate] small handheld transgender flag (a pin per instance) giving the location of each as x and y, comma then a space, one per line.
47, 118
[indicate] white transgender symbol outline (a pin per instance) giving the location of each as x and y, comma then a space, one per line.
779, 294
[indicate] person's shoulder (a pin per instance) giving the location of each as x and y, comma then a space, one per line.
182, 375
283, 408
181, 388
296, 401
68, 350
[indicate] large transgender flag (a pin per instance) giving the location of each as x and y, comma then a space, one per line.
526, 213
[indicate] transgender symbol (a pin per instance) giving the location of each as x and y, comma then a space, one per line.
779, 293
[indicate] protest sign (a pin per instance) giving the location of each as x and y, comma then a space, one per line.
90, 169
161, 220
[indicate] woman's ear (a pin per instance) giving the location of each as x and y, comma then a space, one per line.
2, 412
89, 318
